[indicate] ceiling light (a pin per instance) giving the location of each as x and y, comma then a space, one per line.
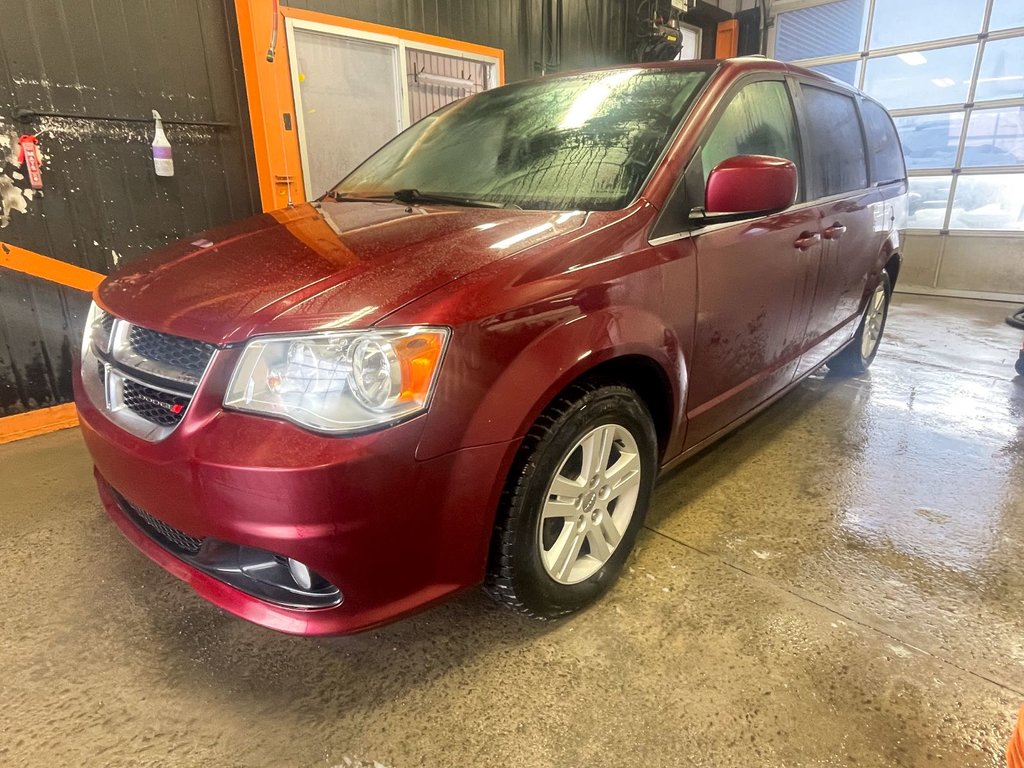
913, 59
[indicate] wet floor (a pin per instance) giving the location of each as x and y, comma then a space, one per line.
838, 583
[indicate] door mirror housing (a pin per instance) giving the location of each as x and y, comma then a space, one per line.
747, 185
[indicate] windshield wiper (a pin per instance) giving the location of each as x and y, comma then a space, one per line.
411, 196
415, 196
343, 197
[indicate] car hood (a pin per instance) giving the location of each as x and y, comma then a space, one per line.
317, 266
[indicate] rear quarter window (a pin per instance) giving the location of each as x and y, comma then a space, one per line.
835, 146
885, 154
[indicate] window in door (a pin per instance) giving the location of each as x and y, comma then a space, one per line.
349, 102
437, 79
836, 157
758, 121
354, 90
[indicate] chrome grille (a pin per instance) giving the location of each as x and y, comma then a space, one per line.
181, 353
145, 380
154, 405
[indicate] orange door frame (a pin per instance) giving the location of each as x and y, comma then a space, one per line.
268, 87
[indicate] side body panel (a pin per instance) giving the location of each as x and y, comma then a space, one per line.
751, 318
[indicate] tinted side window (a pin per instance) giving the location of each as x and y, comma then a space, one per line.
836, 158
758, 121
884, 151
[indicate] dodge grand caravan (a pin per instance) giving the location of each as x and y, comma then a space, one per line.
469, 360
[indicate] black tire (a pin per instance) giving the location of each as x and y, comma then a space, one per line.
517, 577
852, 360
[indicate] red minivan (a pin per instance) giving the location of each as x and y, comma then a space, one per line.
470, 360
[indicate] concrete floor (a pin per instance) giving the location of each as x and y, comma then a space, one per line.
839, 583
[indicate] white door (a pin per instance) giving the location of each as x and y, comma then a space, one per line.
348, 102
355, 90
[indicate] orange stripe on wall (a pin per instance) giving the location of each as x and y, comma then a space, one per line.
38, 422
37, 265
44, 420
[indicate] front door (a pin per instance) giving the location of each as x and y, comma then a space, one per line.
755, 278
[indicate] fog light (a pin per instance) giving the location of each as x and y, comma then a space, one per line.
302, 575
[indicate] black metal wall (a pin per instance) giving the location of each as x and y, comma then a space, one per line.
594, 32
109, 62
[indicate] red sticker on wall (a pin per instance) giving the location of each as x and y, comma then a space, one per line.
28, 153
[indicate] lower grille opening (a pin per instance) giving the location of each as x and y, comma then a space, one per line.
154, 405
257, 572
166, 535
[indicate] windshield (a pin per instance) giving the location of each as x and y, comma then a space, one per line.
583, 142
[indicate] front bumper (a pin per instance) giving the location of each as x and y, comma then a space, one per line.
393, 533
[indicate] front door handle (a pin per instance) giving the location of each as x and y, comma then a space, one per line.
807, 240
834, 232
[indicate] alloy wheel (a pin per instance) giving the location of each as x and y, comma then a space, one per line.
589, 504
874, 317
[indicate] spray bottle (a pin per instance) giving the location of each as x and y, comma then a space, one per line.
162, 162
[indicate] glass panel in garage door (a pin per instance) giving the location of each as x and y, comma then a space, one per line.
847, 71
995, 137
1002, 70
1006, 14
921, 78
929, 196
821, 30
347, 103
930, 141
902, 22
990, 201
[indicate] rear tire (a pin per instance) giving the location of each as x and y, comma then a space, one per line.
575, 500
860, 353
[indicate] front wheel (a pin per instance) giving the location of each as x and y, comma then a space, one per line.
859, 353
574, 503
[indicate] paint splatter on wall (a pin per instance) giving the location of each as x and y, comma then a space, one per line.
15, 194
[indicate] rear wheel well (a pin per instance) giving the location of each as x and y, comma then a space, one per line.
645, 377
892, 266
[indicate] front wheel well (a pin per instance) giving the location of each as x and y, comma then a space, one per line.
645, 377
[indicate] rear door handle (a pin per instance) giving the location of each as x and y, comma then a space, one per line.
834, 232
807, 240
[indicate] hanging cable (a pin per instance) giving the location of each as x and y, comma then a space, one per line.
272, 50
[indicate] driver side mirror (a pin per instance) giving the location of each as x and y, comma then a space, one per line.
748, 185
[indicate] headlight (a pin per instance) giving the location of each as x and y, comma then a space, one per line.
98, 325
339, 382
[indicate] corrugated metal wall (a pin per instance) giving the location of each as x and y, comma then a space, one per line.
594, 32
101, 200
497, 23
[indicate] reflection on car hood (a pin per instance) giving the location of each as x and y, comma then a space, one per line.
317, 266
